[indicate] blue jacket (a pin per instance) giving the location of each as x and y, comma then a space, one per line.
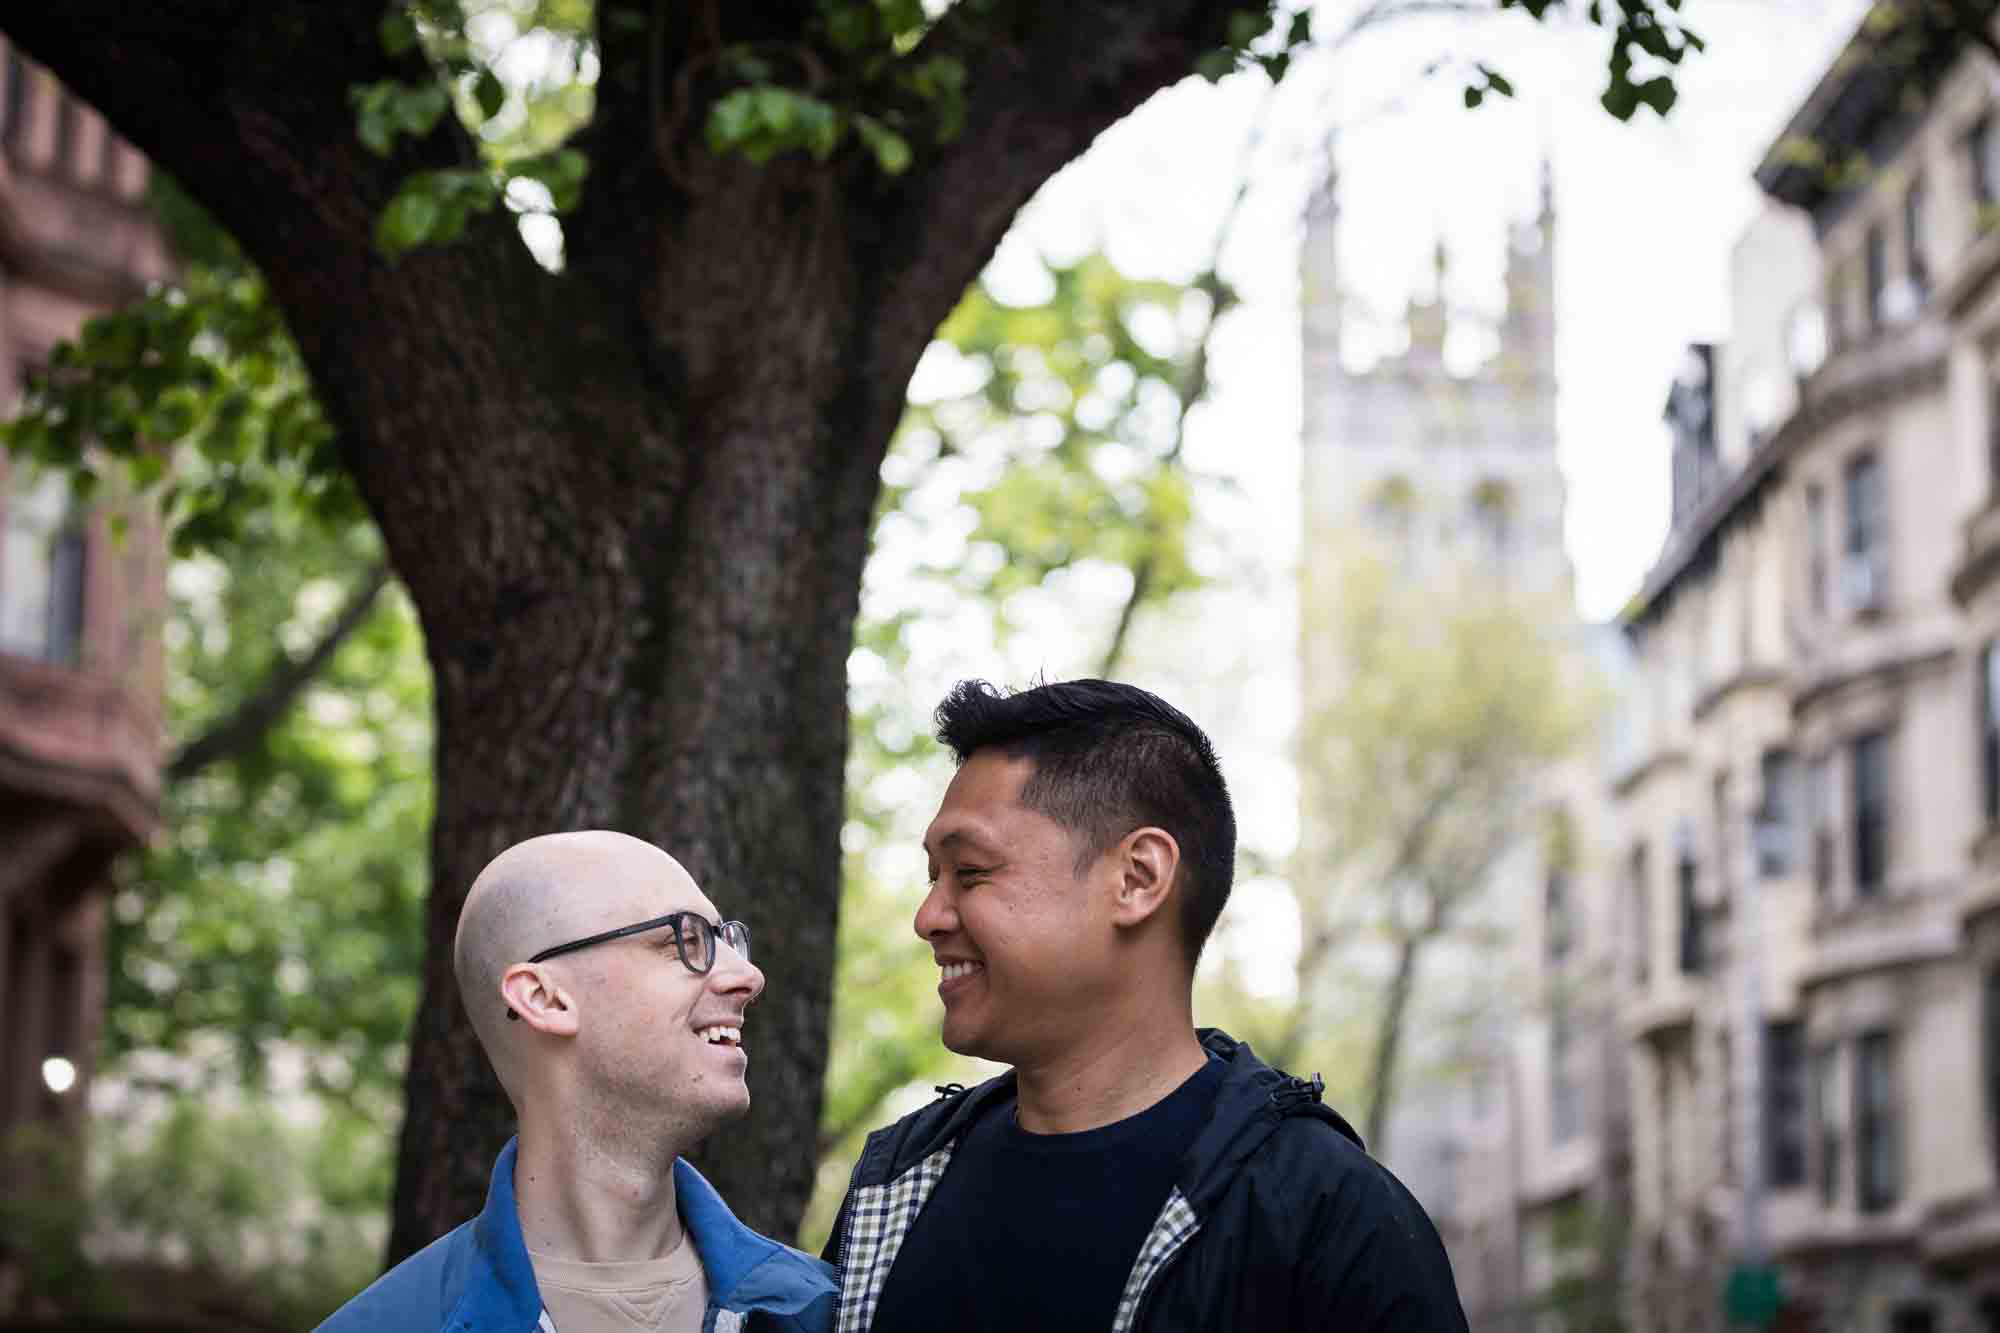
477, 1278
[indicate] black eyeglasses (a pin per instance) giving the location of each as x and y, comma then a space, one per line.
694, 937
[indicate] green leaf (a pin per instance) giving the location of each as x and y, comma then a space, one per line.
561, 171
1215, 66
1474, 96
1300, 32
732, 119
892, 150
398, 32
777, 108
418, 110
489, 94
408, 221
1246, 26
1658, 93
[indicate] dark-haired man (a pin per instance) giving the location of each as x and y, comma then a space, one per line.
1130, 1172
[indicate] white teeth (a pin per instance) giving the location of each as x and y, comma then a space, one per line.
734, 1036
953, 971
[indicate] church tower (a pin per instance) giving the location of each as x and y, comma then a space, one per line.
1446, 467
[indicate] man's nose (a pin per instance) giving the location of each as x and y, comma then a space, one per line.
734, 973
935, 915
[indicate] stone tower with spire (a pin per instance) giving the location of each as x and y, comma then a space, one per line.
1442, 464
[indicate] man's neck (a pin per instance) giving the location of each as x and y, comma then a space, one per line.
579, 1200
1117, 1070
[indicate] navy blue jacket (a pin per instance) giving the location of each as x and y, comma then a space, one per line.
477, 1277
1279, 1221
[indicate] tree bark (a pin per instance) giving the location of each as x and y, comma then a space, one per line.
630, 502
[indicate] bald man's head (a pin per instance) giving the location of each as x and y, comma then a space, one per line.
541, 893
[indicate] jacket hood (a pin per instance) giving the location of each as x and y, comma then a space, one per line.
1252, 1102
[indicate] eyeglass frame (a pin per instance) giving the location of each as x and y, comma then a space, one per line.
733, 933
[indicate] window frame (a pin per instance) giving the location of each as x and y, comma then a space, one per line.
1819, 549
1865, 502
1870, 822
1878, 1146
1828, 1142
1787, 1128
1916, 266
1987, 715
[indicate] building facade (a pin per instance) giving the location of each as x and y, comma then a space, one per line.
1807, 801
80, 671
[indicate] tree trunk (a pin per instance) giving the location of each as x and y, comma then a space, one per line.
1389, 1041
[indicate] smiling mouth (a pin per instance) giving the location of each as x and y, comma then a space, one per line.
721, 1036
956, 971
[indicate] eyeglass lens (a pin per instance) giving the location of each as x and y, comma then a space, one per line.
697, 941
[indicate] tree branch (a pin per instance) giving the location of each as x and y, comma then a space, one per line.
1039, 88
247, 104
247, 723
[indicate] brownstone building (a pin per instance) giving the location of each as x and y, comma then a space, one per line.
80, 671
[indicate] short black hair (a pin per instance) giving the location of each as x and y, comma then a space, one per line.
1110, 758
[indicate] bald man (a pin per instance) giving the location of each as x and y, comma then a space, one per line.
610, 996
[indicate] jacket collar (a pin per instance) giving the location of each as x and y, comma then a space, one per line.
1253, 1100
501, 1293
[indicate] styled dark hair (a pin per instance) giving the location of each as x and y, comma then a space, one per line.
1110, 758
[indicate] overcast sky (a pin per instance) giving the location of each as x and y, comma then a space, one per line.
1647, 213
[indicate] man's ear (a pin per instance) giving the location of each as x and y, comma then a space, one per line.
532, 996
1148, 859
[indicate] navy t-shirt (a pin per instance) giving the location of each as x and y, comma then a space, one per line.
1040, 1230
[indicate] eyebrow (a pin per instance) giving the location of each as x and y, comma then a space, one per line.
957, 837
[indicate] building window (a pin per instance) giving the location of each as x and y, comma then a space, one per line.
1817, 548
1980, 144
1819, 823
1864, 568
1868, 760
1392, 513
1878, 1155
1558, 859
1687, 875
1785, 1104
16, 107
1642, 918
1492, 519
1779, 819
1991, 1034
1913, 1318
1989, 732
1916, 225
66, 118
1875, 260
1725, 840
41, 572
1827, 1138
1564, 1114
1993, 438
